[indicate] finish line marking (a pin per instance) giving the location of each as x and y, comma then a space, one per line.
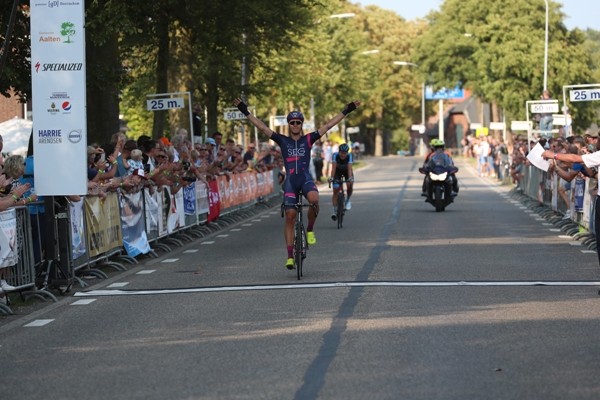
117, 292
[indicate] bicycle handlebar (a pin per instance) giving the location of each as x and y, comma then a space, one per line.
339, 181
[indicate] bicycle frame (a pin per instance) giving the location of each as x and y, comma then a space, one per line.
300, 243
341, 201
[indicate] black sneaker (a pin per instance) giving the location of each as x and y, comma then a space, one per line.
334, 217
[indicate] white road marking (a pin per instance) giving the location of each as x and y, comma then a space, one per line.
223, 235
208, 242
38, 322
118, 284
190, 251
235, 230
554, 230
588, 251
170, 260
246, 224
145, 271
83, 302
98, 293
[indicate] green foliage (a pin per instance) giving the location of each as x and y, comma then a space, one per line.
496, 49
16, 72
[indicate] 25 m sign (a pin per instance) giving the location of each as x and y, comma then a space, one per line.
584, 94
164, 104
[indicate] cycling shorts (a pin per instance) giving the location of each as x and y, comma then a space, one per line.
292, 187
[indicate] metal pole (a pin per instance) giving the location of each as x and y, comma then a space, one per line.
423, 104
546, 50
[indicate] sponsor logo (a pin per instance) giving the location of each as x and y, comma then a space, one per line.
52, 109
59, 95
49, 136
66, 106
56, 3
75, 136
67, 30
53, 67
299, 152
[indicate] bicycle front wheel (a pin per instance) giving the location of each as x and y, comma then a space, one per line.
299, 243
341, 208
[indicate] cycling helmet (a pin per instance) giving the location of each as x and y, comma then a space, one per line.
344, 147
295, 115
437, 143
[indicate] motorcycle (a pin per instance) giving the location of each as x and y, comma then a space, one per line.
439, 187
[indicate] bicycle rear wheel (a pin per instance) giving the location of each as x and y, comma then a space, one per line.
341, 208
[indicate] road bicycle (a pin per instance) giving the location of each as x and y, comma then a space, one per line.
341, 202
300, 244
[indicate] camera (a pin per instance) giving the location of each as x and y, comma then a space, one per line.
186, 165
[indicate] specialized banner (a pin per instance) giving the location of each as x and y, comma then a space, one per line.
135, 240
58, 97
151, 211
103, 224
78, 245
8, 238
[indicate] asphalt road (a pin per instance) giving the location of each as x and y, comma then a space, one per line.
483, 301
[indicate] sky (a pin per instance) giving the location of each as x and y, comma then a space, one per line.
581, 14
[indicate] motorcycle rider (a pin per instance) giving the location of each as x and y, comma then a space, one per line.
438, 161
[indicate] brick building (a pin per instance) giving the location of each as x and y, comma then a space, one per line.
11, 108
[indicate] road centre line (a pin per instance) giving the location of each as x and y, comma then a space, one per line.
209, 289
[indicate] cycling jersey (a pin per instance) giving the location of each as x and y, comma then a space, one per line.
341, 165
296, 158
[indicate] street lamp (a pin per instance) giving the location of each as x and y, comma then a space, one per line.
546, 50
422, 90
343, 15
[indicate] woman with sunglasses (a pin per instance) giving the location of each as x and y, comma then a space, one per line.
296, 149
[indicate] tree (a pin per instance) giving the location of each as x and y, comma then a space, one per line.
496, 49
15, 70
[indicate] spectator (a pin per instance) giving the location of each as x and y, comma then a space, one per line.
545, 119
517, 165
317, 158
122, 159
327, 153
218, 138
135, 162
211, 148
249, 156
197, 121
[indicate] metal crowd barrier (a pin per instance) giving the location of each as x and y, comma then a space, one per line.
543, 188
114, 230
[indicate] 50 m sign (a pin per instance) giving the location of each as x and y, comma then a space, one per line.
164, 104
584, 94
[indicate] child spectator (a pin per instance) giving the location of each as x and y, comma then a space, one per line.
135, 162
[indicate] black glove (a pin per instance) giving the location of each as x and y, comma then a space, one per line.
243, 107
349, 108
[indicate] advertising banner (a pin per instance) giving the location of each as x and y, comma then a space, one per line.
58, 97
8, 238
78, 244
133, 226
103, 224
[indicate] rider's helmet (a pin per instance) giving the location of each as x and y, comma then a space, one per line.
344, 147
295, 115
435, 143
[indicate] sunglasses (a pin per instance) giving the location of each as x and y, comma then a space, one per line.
161, 156
295, 123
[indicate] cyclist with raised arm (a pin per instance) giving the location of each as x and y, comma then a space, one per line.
341, 168
295, 150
